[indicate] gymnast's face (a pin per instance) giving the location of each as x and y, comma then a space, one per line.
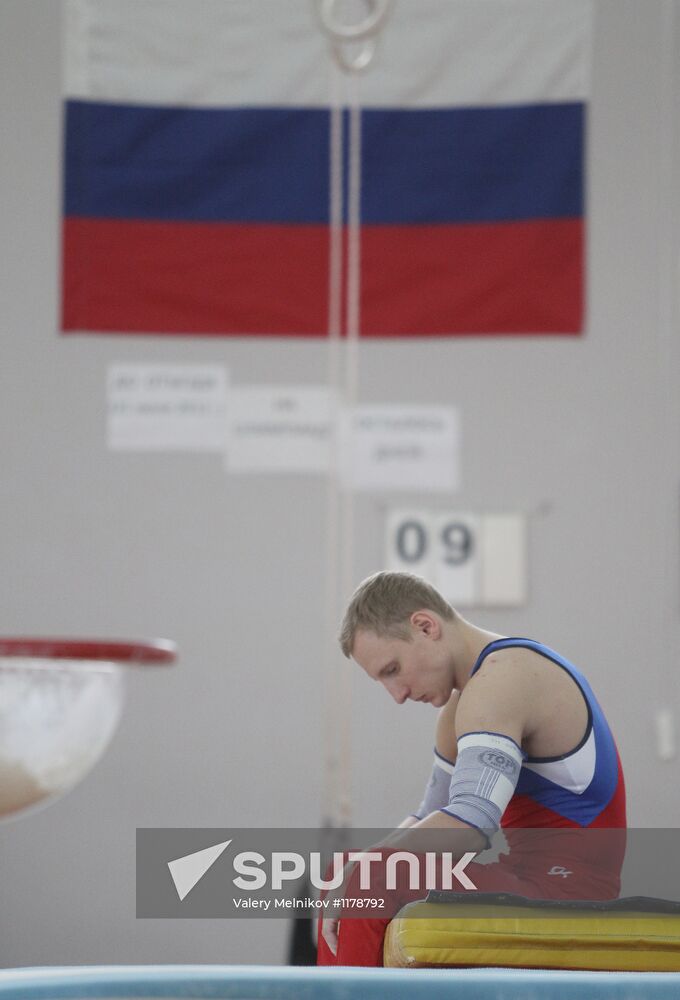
418, 669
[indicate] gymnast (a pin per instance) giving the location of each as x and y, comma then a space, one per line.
520, 743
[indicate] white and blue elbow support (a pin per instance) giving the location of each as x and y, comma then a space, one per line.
484, 779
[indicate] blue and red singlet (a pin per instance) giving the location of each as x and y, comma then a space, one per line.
583, 788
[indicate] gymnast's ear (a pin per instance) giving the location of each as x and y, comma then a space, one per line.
426, 623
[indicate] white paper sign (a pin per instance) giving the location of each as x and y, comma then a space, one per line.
472, 559
166, 407
410, 447
280, 429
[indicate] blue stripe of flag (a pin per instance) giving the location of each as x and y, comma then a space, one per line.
270, 165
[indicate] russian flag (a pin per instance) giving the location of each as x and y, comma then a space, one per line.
196, 168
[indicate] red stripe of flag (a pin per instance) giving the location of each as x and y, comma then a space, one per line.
187, 278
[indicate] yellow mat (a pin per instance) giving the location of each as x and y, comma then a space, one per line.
628, 936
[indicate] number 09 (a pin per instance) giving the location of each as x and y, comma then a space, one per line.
412, 542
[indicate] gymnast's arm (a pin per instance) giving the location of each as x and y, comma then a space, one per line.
493, 711
494, 707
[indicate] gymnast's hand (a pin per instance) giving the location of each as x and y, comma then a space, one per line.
330, 929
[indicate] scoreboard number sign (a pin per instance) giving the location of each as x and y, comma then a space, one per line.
473, 559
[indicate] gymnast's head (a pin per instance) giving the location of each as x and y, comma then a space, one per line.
401, 632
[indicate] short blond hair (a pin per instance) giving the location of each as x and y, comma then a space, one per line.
383, 604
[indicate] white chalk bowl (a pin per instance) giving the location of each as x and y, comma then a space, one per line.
60, 705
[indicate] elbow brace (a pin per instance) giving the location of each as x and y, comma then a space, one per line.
484, 779
437, 789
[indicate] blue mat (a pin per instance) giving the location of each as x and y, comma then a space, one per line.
252, 982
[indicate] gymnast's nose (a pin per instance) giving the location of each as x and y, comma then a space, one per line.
400, 692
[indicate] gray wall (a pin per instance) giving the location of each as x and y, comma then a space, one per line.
582, 434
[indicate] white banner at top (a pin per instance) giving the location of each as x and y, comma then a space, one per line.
274, 52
